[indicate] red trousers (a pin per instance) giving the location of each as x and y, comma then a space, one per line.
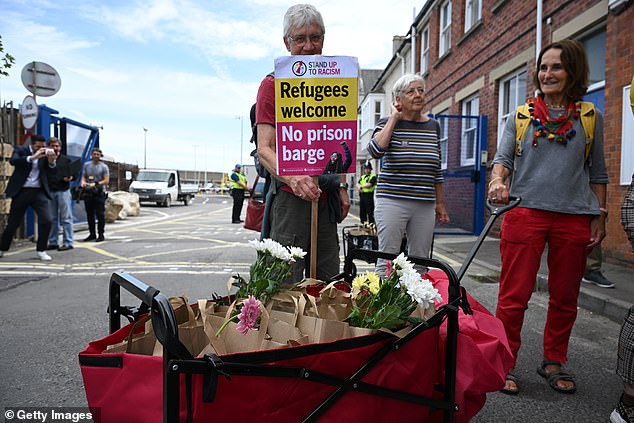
524, 234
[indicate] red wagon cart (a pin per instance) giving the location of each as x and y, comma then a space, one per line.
376, 378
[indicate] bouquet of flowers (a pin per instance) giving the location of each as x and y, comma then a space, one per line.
272, 267
389, 303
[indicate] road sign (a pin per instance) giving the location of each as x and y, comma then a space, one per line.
41, 79
29, 112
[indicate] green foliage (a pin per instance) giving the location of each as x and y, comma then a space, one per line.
7, 60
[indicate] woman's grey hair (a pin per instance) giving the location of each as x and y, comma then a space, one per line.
301, 15
403, 82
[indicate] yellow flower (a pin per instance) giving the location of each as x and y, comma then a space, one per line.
359, 282
372, 277
374, 287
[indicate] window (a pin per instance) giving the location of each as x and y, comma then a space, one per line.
424, 51
473, 13
445, 28
627, 138
594, 45
469, 130
444, 138
377, 111
512, 94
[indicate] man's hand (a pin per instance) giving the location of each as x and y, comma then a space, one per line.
304, 187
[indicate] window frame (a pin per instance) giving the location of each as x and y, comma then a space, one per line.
467, 128
444, 39
471, 19
424, 50
520, 98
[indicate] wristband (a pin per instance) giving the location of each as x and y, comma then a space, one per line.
604, 211
493, 180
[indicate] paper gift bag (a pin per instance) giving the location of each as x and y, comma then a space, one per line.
140, 341
334, 304
230, 340
190, 327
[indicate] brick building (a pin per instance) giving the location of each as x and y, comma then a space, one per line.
478, 59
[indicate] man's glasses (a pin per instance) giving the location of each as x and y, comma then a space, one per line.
300, 40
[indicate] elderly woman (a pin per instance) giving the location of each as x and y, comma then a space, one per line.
561, 178
409, 195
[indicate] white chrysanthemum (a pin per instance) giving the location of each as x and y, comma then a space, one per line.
274, 248
402, 264
256, 244
423, 292
296, 253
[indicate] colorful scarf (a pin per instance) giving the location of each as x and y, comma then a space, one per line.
559, 129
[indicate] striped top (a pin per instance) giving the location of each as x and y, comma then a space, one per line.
411, 164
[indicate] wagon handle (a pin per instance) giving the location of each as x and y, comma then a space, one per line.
496, 210
163, 319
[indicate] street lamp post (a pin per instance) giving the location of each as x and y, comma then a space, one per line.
241, 136
144, 148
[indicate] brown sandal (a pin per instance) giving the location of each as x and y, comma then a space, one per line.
511, 391
557, 375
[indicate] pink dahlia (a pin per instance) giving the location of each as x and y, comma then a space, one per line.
249, 314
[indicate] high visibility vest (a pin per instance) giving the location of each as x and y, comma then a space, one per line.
234, 184
364, 180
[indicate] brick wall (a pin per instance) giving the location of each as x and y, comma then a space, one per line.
508, 29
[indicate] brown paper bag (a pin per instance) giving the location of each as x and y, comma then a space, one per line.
191, 331
334, 304
230, 340
136, 343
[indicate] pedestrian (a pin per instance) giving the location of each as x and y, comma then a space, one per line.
593, 272
28, 187
563, 200
238, 186
59, 179
291, 197
94, 181
366, 187
409, 192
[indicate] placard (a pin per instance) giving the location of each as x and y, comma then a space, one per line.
316, 102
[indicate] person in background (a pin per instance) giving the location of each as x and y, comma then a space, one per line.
366, 186
291, 197
409, 192
593, 272
28, 186
238, 186
94, 180
563, 203
624, 410
59, 179
336, 164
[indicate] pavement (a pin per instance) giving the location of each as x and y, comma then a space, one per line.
612, 303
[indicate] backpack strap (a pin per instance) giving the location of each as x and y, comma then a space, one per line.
588, 121
522, 122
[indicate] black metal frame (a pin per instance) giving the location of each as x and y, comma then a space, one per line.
177, 360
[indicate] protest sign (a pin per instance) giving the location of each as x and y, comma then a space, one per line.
316, 101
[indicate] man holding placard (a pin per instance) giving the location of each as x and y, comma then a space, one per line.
302, 116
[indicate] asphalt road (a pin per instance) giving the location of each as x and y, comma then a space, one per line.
50, 311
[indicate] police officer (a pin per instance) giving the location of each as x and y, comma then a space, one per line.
238, 185
366, 186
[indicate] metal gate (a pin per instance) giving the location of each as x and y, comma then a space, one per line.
463, 141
